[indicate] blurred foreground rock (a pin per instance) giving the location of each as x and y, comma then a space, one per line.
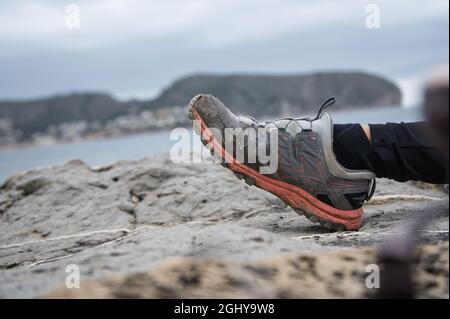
331, 275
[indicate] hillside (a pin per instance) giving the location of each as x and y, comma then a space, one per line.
37, 115
258, 95
266, 94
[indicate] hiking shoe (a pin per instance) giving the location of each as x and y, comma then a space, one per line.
308, 177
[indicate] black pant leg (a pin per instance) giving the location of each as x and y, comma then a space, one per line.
400, 151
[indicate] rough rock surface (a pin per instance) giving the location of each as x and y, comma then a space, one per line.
122, 225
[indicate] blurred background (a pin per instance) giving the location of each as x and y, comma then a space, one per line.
104, 80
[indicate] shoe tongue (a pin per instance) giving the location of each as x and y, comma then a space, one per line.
293, 127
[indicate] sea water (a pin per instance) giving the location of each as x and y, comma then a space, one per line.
100, 152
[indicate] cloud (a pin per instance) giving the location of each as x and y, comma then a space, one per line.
132, 47
210, 23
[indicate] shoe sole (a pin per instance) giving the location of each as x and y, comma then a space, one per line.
301, 201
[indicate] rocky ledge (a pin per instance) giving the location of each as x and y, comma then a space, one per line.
151, 228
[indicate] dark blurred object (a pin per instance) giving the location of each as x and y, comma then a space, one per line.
395, 259
396, 256
436, 104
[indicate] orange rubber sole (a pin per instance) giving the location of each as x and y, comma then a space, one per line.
295, 197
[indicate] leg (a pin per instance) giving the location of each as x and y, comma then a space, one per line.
400, 151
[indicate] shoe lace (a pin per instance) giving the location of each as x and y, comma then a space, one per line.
329, 102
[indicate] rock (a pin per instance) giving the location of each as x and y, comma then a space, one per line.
332, 275
32, 186
123, 223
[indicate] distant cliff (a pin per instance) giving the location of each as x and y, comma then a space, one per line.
271, 95
257, 95
38, 115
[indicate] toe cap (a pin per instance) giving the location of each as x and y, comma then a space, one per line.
213, 111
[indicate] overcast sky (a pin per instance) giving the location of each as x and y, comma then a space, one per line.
133, 49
